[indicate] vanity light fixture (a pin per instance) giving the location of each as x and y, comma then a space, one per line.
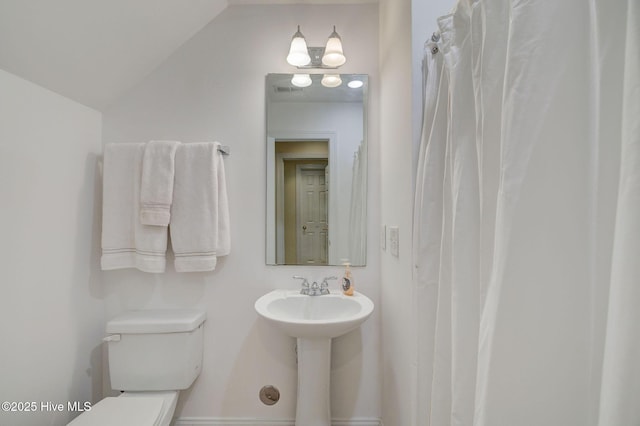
298, 52
333, 54
301, 80
355, 84
331, 80
329, 57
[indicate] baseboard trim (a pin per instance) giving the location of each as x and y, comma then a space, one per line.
226, 421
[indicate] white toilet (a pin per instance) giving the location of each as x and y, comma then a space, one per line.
153, 354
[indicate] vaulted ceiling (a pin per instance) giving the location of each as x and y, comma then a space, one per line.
93, 51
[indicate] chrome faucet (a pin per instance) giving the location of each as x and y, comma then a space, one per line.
314, 289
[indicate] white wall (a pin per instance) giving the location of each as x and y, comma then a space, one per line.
213, 88
396, 190
404, 27
51, 309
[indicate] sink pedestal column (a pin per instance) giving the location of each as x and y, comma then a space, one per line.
314, 371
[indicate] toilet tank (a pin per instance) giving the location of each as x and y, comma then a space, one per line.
154, 350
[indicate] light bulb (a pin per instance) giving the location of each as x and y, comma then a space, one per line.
331, 80
298, 53
333, 54
301, 80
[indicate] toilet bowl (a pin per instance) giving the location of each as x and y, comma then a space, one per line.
153, 354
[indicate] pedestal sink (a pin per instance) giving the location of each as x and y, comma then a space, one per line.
314, 321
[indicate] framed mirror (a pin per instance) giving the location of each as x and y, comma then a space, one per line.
316, 170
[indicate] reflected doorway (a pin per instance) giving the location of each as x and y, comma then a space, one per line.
302, 189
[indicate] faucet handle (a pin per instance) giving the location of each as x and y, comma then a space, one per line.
305, 284
324, 286
324, 281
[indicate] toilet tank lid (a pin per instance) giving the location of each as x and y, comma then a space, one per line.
156, 321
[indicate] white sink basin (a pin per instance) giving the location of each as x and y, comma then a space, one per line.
314, 321
302, 316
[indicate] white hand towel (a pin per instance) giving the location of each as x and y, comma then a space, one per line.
156, 192
126, 243
199, 226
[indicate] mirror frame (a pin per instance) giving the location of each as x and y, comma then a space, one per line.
273, 175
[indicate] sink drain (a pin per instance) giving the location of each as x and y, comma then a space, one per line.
269, 395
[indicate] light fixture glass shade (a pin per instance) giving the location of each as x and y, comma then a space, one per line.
301, 80
298, 53
333, 54
331, 80
355, 84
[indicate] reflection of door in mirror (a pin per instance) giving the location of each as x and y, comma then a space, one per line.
301, 202
312, 229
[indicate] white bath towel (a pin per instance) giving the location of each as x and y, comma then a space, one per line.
200, 211
156, 191
127, 243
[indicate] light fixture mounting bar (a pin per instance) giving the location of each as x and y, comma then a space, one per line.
316, 54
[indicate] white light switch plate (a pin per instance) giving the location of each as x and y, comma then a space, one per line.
394, 240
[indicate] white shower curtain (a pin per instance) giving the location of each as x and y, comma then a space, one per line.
527, 216
357, 208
